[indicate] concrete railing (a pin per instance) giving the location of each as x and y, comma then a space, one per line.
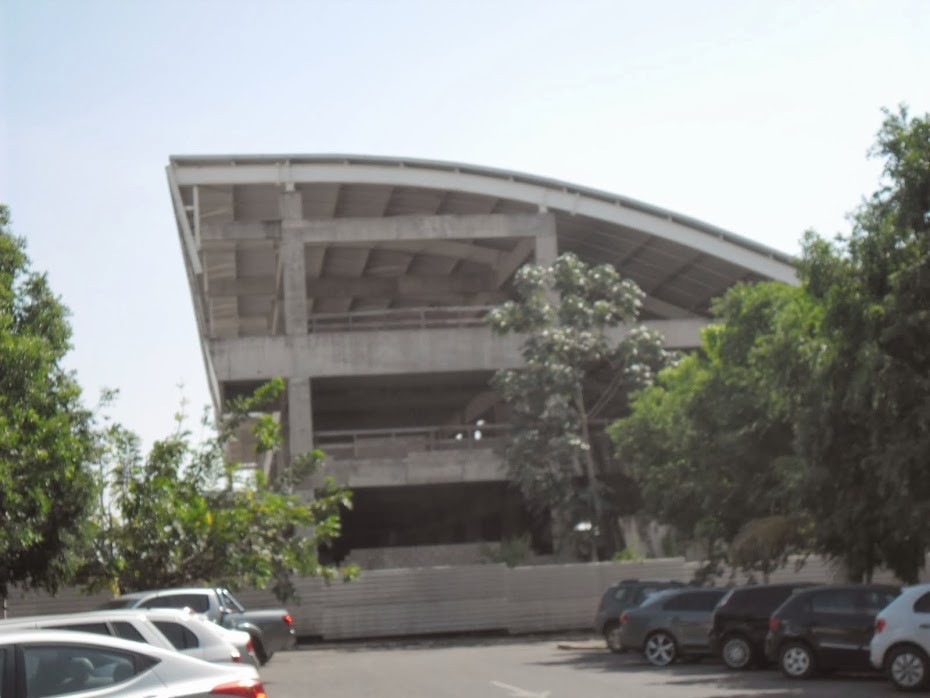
399, 443
400, 319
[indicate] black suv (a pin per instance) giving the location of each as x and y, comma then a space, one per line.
629, 593
741, 621
826, 628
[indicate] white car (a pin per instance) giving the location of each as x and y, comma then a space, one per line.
41, 663
901, 643
183, 631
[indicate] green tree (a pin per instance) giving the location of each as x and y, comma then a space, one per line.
711, 442
184, 514
46, 439
570, 314
863, 421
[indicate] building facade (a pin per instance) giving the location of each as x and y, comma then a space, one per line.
364, 283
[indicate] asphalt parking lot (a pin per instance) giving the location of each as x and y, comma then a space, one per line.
539, 667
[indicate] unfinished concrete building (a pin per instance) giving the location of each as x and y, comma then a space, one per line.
364, 282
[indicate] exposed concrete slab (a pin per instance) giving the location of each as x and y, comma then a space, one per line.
417, 227
423, 468
333, 354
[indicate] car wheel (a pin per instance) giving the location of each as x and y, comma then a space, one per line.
796, 660
660, 649
908, 668
612, 637
260, 651
736, 652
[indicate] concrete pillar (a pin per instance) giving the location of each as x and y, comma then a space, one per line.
299, 417
547, 246
294, 277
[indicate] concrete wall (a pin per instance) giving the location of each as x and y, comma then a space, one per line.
384, 603
419, 468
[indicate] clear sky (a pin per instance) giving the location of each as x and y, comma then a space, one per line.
753, 116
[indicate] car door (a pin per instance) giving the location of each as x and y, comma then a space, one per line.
922, 621
689, 616
836, 627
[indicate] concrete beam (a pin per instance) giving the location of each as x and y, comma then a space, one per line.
513, 260
387, 352
355, 287
443, 227
672, 312
446, 248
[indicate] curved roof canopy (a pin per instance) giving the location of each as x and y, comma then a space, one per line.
681, 263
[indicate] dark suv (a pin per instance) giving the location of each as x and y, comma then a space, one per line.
826, 628
741, 621
629, 593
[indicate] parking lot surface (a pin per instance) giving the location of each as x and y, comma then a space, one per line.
527, 668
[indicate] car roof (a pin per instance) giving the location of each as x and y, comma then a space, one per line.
777, 585
165, 592
844, 587
103, 614
10, 637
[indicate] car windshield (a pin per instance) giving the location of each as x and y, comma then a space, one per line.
657, 595
230, 603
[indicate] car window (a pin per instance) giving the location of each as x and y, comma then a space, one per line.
922, 605
625, 595
54, 670
836, 601
695, 601
128, 631
2, 669
646, 592
874, 601
657, 596
179, 636
681, 602
195, 602
99, 628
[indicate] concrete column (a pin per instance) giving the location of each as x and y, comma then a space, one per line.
547, 245
294, 275
299, 417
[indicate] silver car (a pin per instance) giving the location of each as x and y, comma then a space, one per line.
41, 663
671, 624
901, 643
166, 628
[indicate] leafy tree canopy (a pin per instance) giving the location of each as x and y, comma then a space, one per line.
710, 443
864, 419
184, 514
570, 314
46, 438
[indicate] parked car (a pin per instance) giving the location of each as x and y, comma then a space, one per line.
183, 631
901, 643
40, 663
741, 621
271, 629
670, 624
826, 628
629, 593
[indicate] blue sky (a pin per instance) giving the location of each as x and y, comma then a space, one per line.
753, 116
